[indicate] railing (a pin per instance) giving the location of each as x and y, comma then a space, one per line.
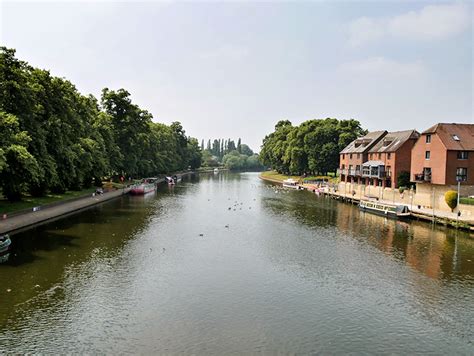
371, 174
354, 172
423, 177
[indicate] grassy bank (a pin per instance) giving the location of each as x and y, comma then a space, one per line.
28, 202
277, 177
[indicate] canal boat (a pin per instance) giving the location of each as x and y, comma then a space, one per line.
390, 210
5, 243
292, 184
142, 188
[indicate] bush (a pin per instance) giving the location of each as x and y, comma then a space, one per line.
403, 179
401, 189
451, 198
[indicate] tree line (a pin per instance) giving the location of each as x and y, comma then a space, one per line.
53, 138
233, 156
312, 147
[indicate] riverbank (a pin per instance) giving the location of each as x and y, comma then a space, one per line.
54, 211
436, 216
45, 213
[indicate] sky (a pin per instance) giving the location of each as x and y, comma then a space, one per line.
234, 69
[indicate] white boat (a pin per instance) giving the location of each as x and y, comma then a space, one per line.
216, 170
291, 183
391, 210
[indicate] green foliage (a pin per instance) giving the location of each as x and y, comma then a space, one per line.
403, 179
313, 147
52, 138
451, 198
467, 201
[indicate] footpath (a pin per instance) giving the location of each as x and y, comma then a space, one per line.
48, 213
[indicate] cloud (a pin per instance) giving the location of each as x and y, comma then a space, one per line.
227, 51
432, 22
382, 67
365, 30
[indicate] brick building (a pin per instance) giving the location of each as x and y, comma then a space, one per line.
444, 154
390, 157
355, 154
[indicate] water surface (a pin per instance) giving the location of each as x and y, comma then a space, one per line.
227, 263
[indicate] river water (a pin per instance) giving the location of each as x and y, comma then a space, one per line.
229, 264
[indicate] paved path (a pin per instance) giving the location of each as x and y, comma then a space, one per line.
47, 213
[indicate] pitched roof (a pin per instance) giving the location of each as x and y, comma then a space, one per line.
364, 143
394, 140
456, 137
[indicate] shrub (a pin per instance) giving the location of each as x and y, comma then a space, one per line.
403, 179
401, 189
451, 198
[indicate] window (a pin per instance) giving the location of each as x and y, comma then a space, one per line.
456, 138
427, 155
350, 156
461, 174
343, 156
380, 155
389, 155
428, 138
462, 154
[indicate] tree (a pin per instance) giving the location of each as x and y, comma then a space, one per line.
312, 147
451, 198
403, 179
239, 146
18, 167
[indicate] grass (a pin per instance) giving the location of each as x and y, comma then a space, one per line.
29, 202
281, 177
468, 201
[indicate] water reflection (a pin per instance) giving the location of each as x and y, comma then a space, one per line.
177, 271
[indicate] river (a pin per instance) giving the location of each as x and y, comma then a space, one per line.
227, 263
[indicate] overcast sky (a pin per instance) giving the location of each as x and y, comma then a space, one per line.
234, 69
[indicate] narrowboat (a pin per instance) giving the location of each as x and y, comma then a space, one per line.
390, 210
142, 188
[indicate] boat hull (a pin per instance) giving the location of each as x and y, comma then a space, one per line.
383, 210
142, 189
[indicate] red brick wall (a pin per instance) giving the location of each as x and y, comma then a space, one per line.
402, 160
437, 161
453, 163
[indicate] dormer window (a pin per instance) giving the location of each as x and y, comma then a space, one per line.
456, 138
387, 143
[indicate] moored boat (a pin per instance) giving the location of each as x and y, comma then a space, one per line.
216, 170
5, 243
291, 183
142, 188
391, 210
170, 180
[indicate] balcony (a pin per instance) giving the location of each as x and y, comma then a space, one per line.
423, 177
374, 172
342, 171
354, 172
